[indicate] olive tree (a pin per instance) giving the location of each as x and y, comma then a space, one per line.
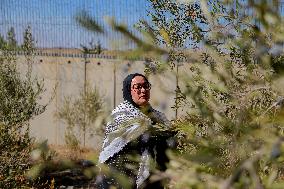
231, 136
19, 96
81, 115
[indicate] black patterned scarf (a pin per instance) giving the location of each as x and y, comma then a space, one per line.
127, 124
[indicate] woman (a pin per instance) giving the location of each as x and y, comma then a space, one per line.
135, 129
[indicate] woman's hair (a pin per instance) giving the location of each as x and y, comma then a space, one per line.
127, 87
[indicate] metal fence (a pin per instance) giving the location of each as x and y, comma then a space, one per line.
53, 22
281, 8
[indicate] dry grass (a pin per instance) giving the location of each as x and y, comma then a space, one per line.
64, 152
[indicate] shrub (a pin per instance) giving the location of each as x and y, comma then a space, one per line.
82, 114
19, 95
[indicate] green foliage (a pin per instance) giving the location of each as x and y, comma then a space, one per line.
153, 67
86, 21
11, 39
2, 42
43, 156
15, 148
232, 135
93, 48
28, 45
82, 115
19, 95
232, 92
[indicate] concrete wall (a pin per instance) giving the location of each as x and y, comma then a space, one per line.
65, 75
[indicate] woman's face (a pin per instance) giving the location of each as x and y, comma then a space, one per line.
140, 91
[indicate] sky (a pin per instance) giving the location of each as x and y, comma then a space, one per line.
53, 23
